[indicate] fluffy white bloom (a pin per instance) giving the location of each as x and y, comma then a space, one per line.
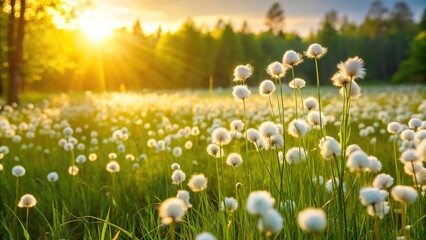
259, 202
310, 103
240, 92
292, 58
340, 80
175, 166
316, 51
113, 167
276, 70
415, 123
408, 135
214, 150
314, 118
234, 159
394, 127
330, 149
372, 195
229, 204
242, 72
378, 209
178, 176
172, 210
297, 83
177, 151
421, 150
383, 181
27, 201
270, 222
352, 148
266, 88
237, 125
184, 196
375, 165
404, 194
52, 177
358, 161
312, 220
353, 90
205, 236
352, 68
331, 185
221, 136
73, 170
412, 167
408, 156
275, 142
298, 128
295, 155
268, 129
18, 171
198, 182
420, 136
80, 159
253, 135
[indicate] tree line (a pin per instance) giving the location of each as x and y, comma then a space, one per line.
197, 57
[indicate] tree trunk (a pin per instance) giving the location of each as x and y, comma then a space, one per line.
11, 46
15, 76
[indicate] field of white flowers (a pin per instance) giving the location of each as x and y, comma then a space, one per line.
282, 161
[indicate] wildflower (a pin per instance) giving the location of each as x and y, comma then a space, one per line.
316, 51
407, 135
178, 176
240, 92
237, 125
295, 155
73, 170
52, 177
270, 222
214, 150
394, 127
314, 118
197, 182
352, 68
415, 123
297, 83
404, 194
276, 70
172, 210
312, 220
268, 129
330, 149
229, 204
27, 201
113, 167
352, 148
221, 136
358, 161
175, 166
184, 196
421, 150
80, 159
372, 195
355, 90
413, 167
408, 156
420, 136
177, 151
375, 165
242, 72
383, 181
266, 88
310, 103
340, 80
379, 209
253, 135
258, 202
234, 159
298, 128
205, 236
292, 58
331, 185
18, 171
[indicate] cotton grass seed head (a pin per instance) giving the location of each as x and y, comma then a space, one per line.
237, 125
234, 160
259, 202
358, 161
240, 92
330, 149
198, 182
27, 201
404, 194
421, 150
214, 150
297, 83
394, 127
205, 236
73, 170
310, 103
268, 129
408, 156
242, 72
316, 51
253, 135
295, 155
407, 135
340, 80
113, 167
315, 119
354, 90
312, 220
352, 68
379, 209
415, 123
270, 222
383, 181
172, 210
184, 196
266, 88
375, 164
229, 204
18, 171
298, 128
372, 195
276, 70
178, 176
221, 136
292, 58
52, 177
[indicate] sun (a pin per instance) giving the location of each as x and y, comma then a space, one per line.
95, 28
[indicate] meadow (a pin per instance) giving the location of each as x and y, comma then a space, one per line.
267, 162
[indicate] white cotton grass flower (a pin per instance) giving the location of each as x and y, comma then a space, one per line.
292, 58
358, 161
421, 150
221, 136
237, 125
352, 68
404, 194
413, 167
252, 135
375, 165
52, 177
198, 182
315, 119
266, 88
295, 155
113, 167
205, 236
214, 150
331, 185
93, 157
310, 103
258, 202
408, 135
276, 70
408, 156
330, 149
270, 222
298, 128
274, 142
312, 220
340, 80
420, 177
234, 159
80, 158
372, 195
177, 151
18, 171
268, 129
229, 204
383, 181
73, 170
415, 123
175, 166
379, 209
352, 148
184, 196
420, 136
240, 92
178, 176
316, 51
297, 83
27, 201
242, 72
354, 90
394, 127
172, 210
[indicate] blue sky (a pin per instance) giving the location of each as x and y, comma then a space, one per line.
301, 15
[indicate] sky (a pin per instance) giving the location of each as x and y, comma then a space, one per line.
301, 16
